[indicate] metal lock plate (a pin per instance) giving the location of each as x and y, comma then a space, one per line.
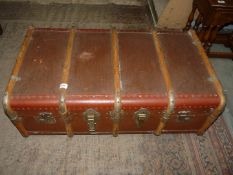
91, 116
46, 118
184, 116
141, 116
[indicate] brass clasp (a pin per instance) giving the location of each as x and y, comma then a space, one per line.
184, 116
141, 116
91, 116
45, 117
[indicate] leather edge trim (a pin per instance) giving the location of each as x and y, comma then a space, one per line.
209, 121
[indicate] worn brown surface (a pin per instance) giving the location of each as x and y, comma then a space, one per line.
91, 49
140, 71
42, 65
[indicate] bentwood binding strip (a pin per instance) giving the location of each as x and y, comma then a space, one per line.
217, 85
117, 105
170, 92
64, 85
11, 114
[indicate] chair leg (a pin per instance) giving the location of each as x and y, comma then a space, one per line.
210, 34
1, 31
198, 22
191, 16
231, 41
202, 32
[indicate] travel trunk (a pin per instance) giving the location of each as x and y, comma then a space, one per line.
72, 81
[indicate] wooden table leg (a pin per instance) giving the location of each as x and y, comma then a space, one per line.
231, 41
212, 32
1, 31
202, 32
191, 16
213, 35
198, 22
207, 36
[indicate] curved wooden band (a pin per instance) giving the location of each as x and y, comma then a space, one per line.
117, 84
170, 91
65, 76
12, 115
216, 82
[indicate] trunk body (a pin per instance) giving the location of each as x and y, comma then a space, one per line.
110, 82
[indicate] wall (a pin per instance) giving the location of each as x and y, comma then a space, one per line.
175, 14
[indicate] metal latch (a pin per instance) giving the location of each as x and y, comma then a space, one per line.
184, 116
91, 116
141, 116
45, 117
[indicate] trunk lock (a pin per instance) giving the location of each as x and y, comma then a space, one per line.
91, 116
184, 116
141, 116
46, 118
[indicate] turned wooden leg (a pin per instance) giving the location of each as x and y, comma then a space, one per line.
191, 16
213, 35
198, 22
231, 41
1, 31
202, 32
207, 37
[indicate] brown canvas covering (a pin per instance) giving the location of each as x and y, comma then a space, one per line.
70, 81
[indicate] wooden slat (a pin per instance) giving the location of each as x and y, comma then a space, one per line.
166, 76
19, 60
12, 114
117, 83
216, 82
64, 81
